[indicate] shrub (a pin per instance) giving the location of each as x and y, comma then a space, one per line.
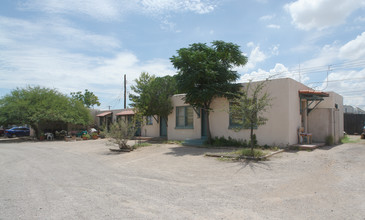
329, 140
102, 134
222, 141
120, 132
249, 153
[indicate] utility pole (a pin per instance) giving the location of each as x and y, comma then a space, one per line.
125, 91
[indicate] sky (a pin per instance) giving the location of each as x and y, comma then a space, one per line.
73, 45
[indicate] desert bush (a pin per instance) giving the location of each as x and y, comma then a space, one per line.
120, 132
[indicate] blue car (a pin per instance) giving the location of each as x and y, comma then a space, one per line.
17, 132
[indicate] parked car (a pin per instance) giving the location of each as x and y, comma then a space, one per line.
17, 132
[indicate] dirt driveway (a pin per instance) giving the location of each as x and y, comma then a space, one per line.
83, 180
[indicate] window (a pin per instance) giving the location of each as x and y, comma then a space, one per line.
236, 120
184, 117
149, 120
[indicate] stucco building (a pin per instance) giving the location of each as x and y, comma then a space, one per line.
293, 106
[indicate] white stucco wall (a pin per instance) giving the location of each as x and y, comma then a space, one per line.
151, 130
326, 119
283, 116
174, 133
281, 128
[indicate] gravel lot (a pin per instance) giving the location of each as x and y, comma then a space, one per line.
84, 180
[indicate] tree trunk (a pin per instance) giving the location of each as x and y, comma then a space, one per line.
209, 136
251, 137
36, 130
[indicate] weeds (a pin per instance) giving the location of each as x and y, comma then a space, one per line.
141, 145
248, 153
346, 139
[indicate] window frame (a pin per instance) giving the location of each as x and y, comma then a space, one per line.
149, 120
186, 124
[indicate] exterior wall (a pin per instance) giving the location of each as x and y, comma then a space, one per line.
151, 130
326, 120
174, 133
294, 117
281, 128
283, 116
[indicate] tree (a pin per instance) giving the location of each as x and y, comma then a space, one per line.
205, 73
37, 105
153, 95
89, 99
249, 107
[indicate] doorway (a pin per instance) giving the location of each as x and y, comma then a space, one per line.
163, 127
203, 124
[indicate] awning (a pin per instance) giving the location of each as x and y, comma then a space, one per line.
103, 114
312, 97
312, 93
125, 112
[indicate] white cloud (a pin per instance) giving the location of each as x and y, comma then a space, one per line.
348, 83
162, 6
103, 10
355, 49
320, 14
52, 32
267, 17
256, 56
275, 50
73, 72
37, 53
115, 9
360, 19
279, 71
326, 56
273, 26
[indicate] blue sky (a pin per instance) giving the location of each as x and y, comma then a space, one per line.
73, 45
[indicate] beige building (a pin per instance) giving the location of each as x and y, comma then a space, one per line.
294, 106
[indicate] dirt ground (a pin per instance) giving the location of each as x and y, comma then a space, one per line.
84, 180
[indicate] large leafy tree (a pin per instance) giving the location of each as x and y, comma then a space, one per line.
38, 105
248, 109
152, 95
206, 72
89, 99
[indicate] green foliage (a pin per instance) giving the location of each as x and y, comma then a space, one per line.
36, 105
152, 95
172, 142
89, 99
206, 72
86, 136
329, 140
102, 134
138, 145
249, 108
94, 134
222, 141
346, 139
120, 132
251, 153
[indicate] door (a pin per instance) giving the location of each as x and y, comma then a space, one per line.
163, 127
204, 124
